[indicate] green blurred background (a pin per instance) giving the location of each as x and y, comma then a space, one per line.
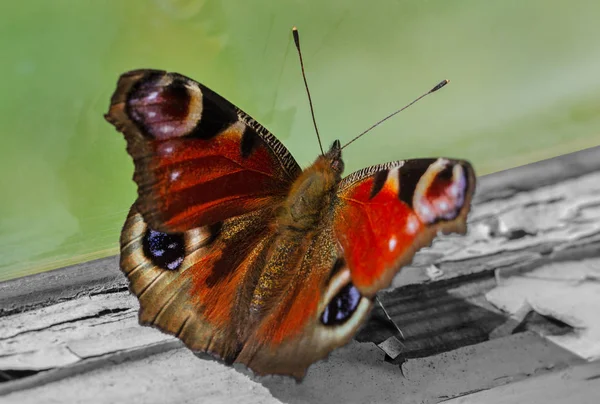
525, 86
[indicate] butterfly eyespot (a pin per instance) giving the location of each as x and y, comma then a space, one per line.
342, 306
166, 251
164, 111
444, 198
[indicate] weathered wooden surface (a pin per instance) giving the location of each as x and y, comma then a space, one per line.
572, 385
356, 373
460, 335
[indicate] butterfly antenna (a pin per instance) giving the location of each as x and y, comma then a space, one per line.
312, 111
434, 89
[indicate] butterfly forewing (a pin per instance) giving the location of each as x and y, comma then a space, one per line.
198, 158
387, 212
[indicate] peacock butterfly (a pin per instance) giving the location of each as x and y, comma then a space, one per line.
234, 249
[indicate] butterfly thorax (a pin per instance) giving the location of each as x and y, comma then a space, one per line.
311, 195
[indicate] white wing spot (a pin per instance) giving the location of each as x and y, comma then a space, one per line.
412, 225
392, 243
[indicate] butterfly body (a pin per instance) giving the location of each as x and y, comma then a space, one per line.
235, 250
313, 193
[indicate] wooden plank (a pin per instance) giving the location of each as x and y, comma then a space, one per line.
355, 373
542, 173
577, 385
78, 319
68, 332
40, 290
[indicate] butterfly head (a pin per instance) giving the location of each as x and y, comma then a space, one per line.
334, 157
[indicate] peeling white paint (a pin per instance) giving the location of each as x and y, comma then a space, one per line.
567, 291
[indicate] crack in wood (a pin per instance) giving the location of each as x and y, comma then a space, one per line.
76, 320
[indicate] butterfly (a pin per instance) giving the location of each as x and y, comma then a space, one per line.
237, 251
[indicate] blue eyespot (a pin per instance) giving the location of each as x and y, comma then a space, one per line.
166, 251
342, 306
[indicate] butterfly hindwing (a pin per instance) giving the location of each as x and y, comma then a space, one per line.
386, 213
198, 158
316, 310
197, 285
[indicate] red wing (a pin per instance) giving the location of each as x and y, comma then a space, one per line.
198, 158
388, 212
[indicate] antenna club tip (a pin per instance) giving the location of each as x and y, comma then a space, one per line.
439, 85
296, 37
